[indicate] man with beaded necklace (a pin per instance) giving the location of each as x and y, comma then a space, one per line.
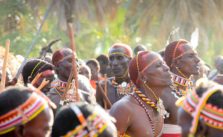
118, 86
183, 63
62, 60
141, 113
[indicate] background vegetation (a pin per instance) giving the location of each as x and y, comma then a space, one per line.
100, 23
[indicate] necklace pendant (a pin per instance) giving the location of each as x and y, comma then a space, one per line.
161, 109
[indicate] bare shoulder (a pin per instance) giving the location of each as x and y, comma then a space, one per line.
122, 106
122, 112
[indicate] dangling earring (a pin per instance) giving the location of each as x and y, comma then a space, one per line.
144, 81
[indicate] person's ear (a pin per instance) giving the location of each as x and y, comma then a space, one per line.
142, 77
177, 63
19, 131
202, 128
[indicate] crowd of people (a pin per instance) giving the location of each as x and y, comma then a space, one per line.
129, 92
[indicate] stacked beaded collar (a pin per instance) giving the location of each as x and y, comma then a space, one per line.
24, 113
60, 85
198, 107
180, 81
124, 88
90, 127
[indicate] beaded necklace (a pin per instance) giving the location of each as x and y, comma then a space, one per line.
146, 110
122, 89
180, 82
159, 107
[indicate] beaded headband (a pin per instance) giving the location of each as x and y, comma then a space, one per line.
91, 127
35, 68
179, 43
119, 53
198, 107
24, 113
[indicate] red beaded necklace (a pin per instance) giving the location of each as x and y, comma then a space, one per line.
146, 110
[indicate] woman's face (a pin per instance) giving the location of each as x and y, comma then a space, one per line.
189, 62
118, 62
39, 126
158, 73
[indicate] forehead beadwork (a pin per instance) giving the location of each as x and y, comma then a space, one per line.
126, 50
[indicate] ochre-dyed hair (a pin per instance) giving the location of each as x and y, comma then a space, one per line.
173, 50
138, 64
60, 54
127, 49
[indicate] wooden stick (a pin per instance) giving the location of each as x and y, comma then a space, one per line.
104, 96
68, 85
74, 66
106, 90
4, 67
36, 78
43, 84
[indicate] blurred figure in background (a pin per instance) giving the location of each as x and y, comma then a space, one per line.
95, 68
201, 112
104, 65
81, 119
138, 48
85, 71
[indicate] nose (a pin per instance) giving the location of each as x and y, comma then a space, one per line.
197, 59
114, 62
166, 68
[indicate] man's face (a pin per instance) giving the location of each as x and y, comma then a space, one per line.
118, 62
189, 62
158, 74
64, 67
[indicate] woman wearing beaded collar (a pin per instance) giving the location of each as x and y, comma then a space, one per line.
141, 113
201, 114
118, 86
25, 113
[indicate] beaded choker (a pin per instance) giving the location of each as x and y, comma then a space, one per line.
197, 107
180, 81
24, 113
90, 127
124, 88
